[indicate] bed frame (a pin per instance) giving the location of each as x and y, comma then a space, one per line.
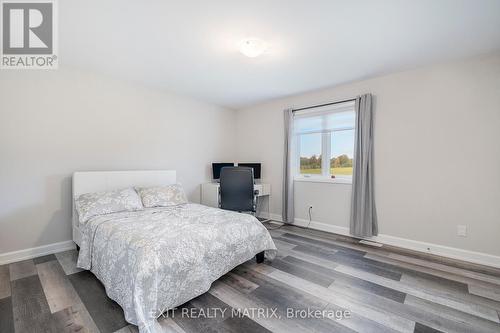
96, 181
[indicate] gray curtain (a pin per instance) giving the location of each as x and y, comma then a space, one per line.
363, 212
287, 207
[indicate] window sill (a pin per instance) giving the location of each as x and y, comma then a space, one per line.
323, 180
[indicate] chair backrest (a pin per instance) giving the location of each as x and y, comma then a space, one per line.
236, 189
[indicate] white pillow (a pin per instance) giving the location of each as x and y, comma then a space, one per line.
99, 203
165, 196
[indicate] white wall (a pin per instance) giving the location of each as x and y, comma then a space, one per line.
55, 123
437, 151
437, 154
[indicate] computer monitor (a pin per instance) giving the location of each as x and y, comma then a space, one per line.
255, 166
216, 167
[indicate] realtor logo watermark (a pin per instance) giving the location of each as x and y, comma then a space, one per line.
29, 34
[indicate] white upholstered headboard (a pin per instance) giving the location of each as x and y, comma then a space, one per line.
97, 181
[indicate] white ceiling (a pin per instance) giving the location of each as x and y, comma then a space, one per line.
190, 47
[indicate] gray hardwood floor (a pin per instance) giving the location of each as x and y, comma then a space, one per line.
381, 289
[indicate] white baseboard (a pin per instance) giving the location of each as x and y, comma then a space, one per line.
9, 257
322, 226
440, 250
274, 217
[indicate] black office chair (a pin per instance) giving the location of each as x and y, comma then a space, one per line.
236, 189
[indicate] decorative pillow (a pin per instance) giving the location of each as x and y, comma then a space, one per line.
99, 203
165, 196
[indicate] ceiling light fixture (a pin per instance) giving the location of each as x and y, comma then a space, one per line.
252, 47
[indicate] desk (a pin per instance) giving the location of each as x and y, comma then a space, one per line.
210, 193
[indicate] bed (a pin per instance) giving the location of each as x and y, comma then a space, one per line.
155, 259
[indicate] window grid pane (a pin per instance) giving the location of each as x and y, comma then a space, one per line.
310, 146
342, 152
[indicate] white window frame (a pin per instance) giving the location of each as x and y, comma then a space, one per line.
326, 150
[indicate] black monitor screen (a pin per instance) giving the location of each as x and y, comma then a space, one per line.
255, 166
216, 167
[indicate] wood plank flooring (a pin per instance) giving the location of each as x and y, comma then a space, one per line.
381, 289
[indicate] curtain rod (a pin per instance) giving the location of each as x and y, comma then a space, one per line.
326, 104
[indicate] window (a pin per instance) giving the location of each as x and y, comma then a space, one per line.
321, 132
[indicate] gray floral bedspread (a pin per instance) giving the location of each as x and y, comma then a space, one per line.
159, 258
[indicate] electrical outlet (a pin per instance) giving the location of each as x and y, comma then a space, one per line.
462, 230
